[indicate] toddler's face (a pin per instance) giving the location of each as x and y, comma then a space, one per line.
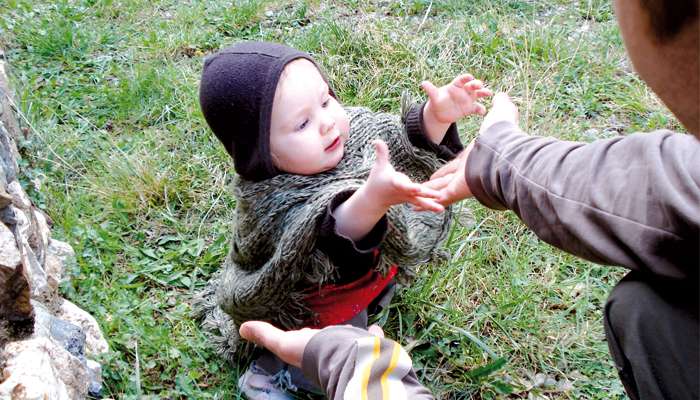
308, 126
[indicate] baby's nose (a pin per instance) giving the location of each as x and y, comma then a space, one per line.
328, 124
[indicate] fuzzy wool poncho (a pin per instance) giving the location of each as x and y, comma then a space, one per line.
273, 260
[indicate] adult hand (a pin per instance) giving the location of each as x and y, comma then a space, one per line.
287, 345
502, 109
450, 180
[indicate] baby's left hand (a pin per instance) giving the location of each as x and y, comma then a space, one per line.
447, 104
386, 187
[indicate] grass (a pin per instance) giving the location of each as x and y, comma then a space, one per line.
135, 182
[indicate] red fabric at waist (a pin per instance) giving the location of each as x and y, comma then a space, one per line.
334, 304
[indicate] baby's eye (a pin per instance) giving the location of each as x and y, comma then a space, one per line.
325, 103
302, 125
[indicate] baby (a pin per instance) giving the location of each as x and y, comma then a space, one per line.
324, 221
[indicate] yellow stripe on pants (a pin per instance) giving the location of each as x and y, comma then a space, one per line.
368, 368
396, 352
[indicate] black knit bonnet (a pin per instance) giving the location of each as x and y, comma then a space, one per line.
236, 95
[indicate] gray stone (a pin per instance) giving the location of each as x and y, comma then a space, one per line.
23, 226
36, 275
5, 198
42, 228
43, 320
7, 215
16, 309
54, 270
44, 341
95, 373
19, 197
38, 369
3, 174
70, 336
95, 342
7, 152
7, 118
63, 251
9, 253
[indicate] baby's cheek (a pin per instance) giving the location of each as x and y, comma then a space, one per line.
344, 125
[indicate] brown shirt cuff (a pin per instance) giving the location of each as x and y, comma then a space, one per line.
481, 161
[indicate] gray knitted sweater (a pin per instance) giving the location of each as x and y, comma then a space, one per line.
274, 260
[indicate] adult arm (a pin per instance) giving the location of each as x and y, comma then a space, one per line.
632, 201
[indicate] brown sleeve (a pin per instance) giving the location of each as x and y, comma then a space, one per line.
345, 361
632, 201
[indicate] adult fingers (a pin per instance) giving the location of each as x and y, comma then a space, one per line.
502, 109
404, 184
476, 84
422, 203
430, 90
439, 183
503, 101
446, 169
376, 330
485, 92
461, 80
262, 334
479, 108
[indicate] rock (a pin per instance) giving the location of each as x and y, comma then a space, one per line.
54, 271
16, 309
22, 224
65, 333
7, 215
3, 167
5, 198
44, 340
8, 121
36, 275
63, 251
8, 150
70, 336
41, 369
95, 342
42, 228
19, 197
95, 374
9, 253
44, 319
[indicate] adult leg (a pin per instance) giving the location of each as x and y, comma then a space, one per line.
652, 331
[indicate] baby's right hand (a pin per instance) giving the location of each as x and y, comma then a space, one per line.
389, 187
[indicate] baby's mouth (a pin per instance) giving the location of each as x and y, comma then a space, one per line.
335, 143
